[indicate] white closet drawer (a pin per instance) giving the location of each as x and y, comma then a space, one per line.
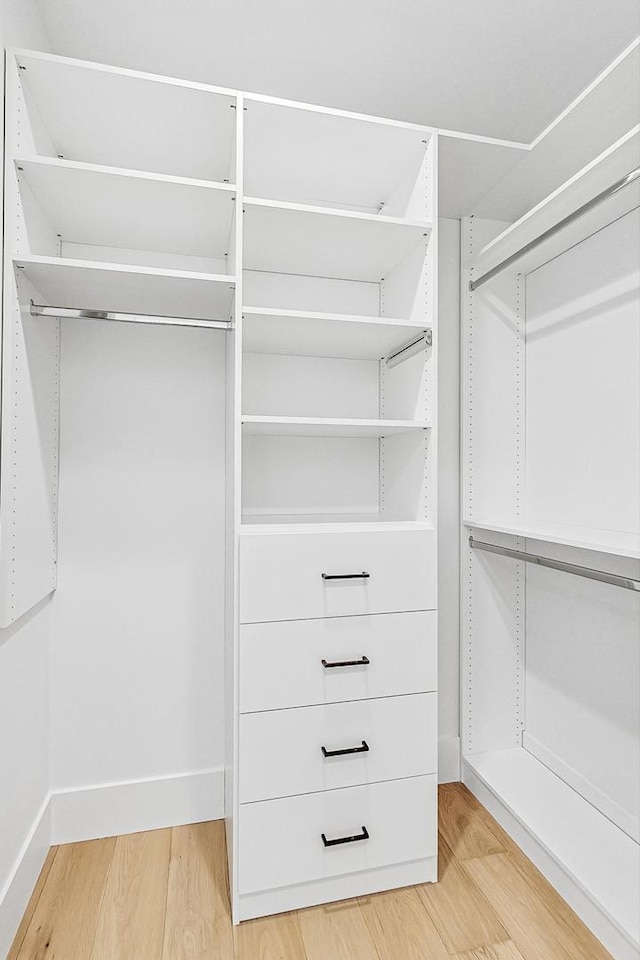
281, 663
281, 840
286, 576
281, 753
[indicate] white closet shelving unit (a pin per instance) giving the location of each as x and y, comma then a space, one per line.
333, 789
551, 469
310, 235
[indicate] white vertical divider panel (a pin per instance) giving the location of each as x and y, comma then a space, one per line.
233, 518
30, 400
492, 588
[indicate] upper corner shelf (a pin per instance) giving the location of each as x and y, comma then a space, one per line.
323, 242
124, 118
525, 240
110, 207
300, 333
327, 427
612, 542
308, 156
118, 288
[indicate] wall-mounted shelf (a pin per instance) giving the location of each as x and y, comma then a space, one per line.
128, 289
257, 525
328, 427
303, 333
317, 157
321, 242
604, 541
169, 126
109, 207
609, 167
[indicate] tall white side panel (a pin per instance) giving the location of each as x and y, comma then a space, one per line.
29, 403
492, 588
449, 495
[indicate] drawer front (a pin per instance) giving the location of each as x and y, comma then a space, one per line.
281, 663
281, 753
280, 841
286, 576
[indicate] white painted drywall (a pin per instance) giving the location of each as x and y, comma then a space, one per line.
137, 666
583, 468
24, 663
495, 68
447, 330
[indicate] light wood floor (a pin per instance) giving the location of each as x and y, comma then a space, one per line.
162, 895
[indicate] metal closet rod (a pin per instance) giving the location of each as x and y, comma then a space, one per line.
38, 310
560, 225
418, 343
617, 581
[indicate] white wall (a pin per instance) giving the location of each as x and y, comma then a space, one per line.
24, 670
583, 468
448, 332
138, 617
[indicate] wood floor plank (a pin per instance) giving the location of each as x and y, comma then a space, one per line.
198, 915
462, 915
337, 931
31, 906
499, 951
64, 920
531, 915
131, 919
467, 833
271, 938
400, 926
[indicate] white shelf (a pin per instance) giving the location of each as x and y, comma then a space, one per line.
304, 155
168, 126
609, 167
109, 207
604, 541
599, 857
327, 427
85, 284
302, 333
257, 525
321, 242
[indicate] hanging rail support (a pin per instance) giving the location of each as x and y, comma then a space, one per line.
560, 225
613, 578
37, 310
423, 340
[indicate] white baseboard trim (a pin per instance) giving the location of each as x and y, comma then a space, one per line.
109, 809
17, 890
449, 760
613, 811
616, 941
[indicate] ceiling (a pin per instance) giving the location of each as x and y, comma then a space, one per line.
499, 68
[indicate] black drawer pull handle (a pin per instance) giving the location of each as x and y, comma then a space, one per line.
362, 662
358, 836
343, 753
346, 576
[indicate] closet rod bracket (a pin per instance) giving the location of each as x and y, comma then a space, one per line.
409, 349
